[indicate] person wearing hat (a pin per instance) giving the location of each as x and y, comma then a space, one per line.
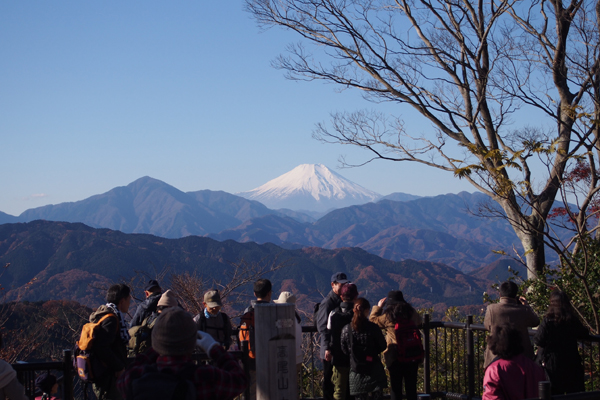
141, 338
167, 370
213, 321
339, 318
153, 292
331, 302
263, 290
47, 384
289, 298
397, 309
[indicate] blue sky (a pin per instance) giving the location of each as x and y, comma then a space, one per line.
94, 95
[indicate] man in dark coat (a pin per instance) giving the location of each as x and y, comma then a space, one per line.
263, 291
153, 292
338, 319
110, 340
331, 302
512, 311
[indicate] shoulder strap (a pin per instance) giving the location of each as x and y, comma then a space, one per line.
105, 317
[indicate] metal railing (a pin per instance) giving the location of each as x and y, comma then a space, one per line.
71, 387
452, 368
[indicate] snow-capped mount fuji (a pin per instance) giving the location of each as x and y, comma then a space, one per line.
311, 187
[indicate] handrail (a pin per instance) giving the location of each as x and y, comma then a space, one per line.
428, 326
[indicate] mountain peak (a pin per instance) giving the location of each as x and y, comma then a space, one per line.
311, 187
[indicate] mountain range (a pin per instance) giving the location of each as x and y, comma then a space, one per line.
60, 260
438, 229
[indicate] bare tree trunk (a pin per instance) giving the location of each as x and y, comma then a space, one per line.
530, 231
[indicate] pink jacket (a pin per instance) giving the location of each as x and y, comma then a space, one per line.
514, 379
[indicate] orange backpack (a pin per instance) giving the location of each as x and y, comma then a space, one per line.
246, 331
86, 340
88, 366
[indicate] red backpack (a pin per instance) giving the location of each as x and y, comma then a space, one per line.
408, 341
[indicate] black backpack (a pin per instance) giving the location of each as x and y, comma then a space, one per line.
203, 327
164, 385
361, 361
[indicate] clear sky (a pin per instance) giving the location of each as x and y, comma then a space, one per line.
95, 94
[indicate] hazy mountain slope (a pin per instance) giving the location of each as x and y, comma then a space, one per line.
232, 205
146, 205
498, 271
439, 229
399, 196
445, 213
74, 261
271, 228
7, 218
311, 187
398, 243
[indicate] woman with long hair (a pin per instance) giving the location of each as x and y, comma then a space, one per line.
363, 341
556, 339
511, 375
397, 310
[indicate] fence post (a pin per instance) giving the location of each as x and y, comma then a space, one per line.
312, 364
470, 358
544, 390
246, 363
67, 375
426, 361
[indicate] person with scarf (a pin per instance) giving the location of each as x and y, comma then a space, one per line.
214, 321
110, 342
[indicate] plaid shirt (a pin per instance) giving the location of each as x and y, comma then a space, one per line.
225, 380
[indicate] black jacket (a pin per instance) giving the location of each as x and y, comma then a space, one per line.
108, 345
337, 320
144, 310
329, 303
558, 353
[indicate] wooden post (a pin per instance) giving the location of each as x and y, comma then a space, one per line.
275, 329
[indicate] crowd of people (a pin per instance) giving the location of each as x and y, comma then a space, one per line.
357, 344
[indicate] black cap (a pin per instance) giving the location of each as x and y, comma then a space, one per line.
152, 283
395, 297
44, 382
339, 277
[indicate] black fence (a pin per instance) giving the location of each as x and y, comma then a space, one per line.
452, 369
72, 388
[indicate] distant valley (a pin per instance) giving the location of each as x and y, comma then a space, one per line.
71, 261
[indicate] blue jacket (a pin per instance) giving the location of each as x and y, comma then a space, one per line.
144, 310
